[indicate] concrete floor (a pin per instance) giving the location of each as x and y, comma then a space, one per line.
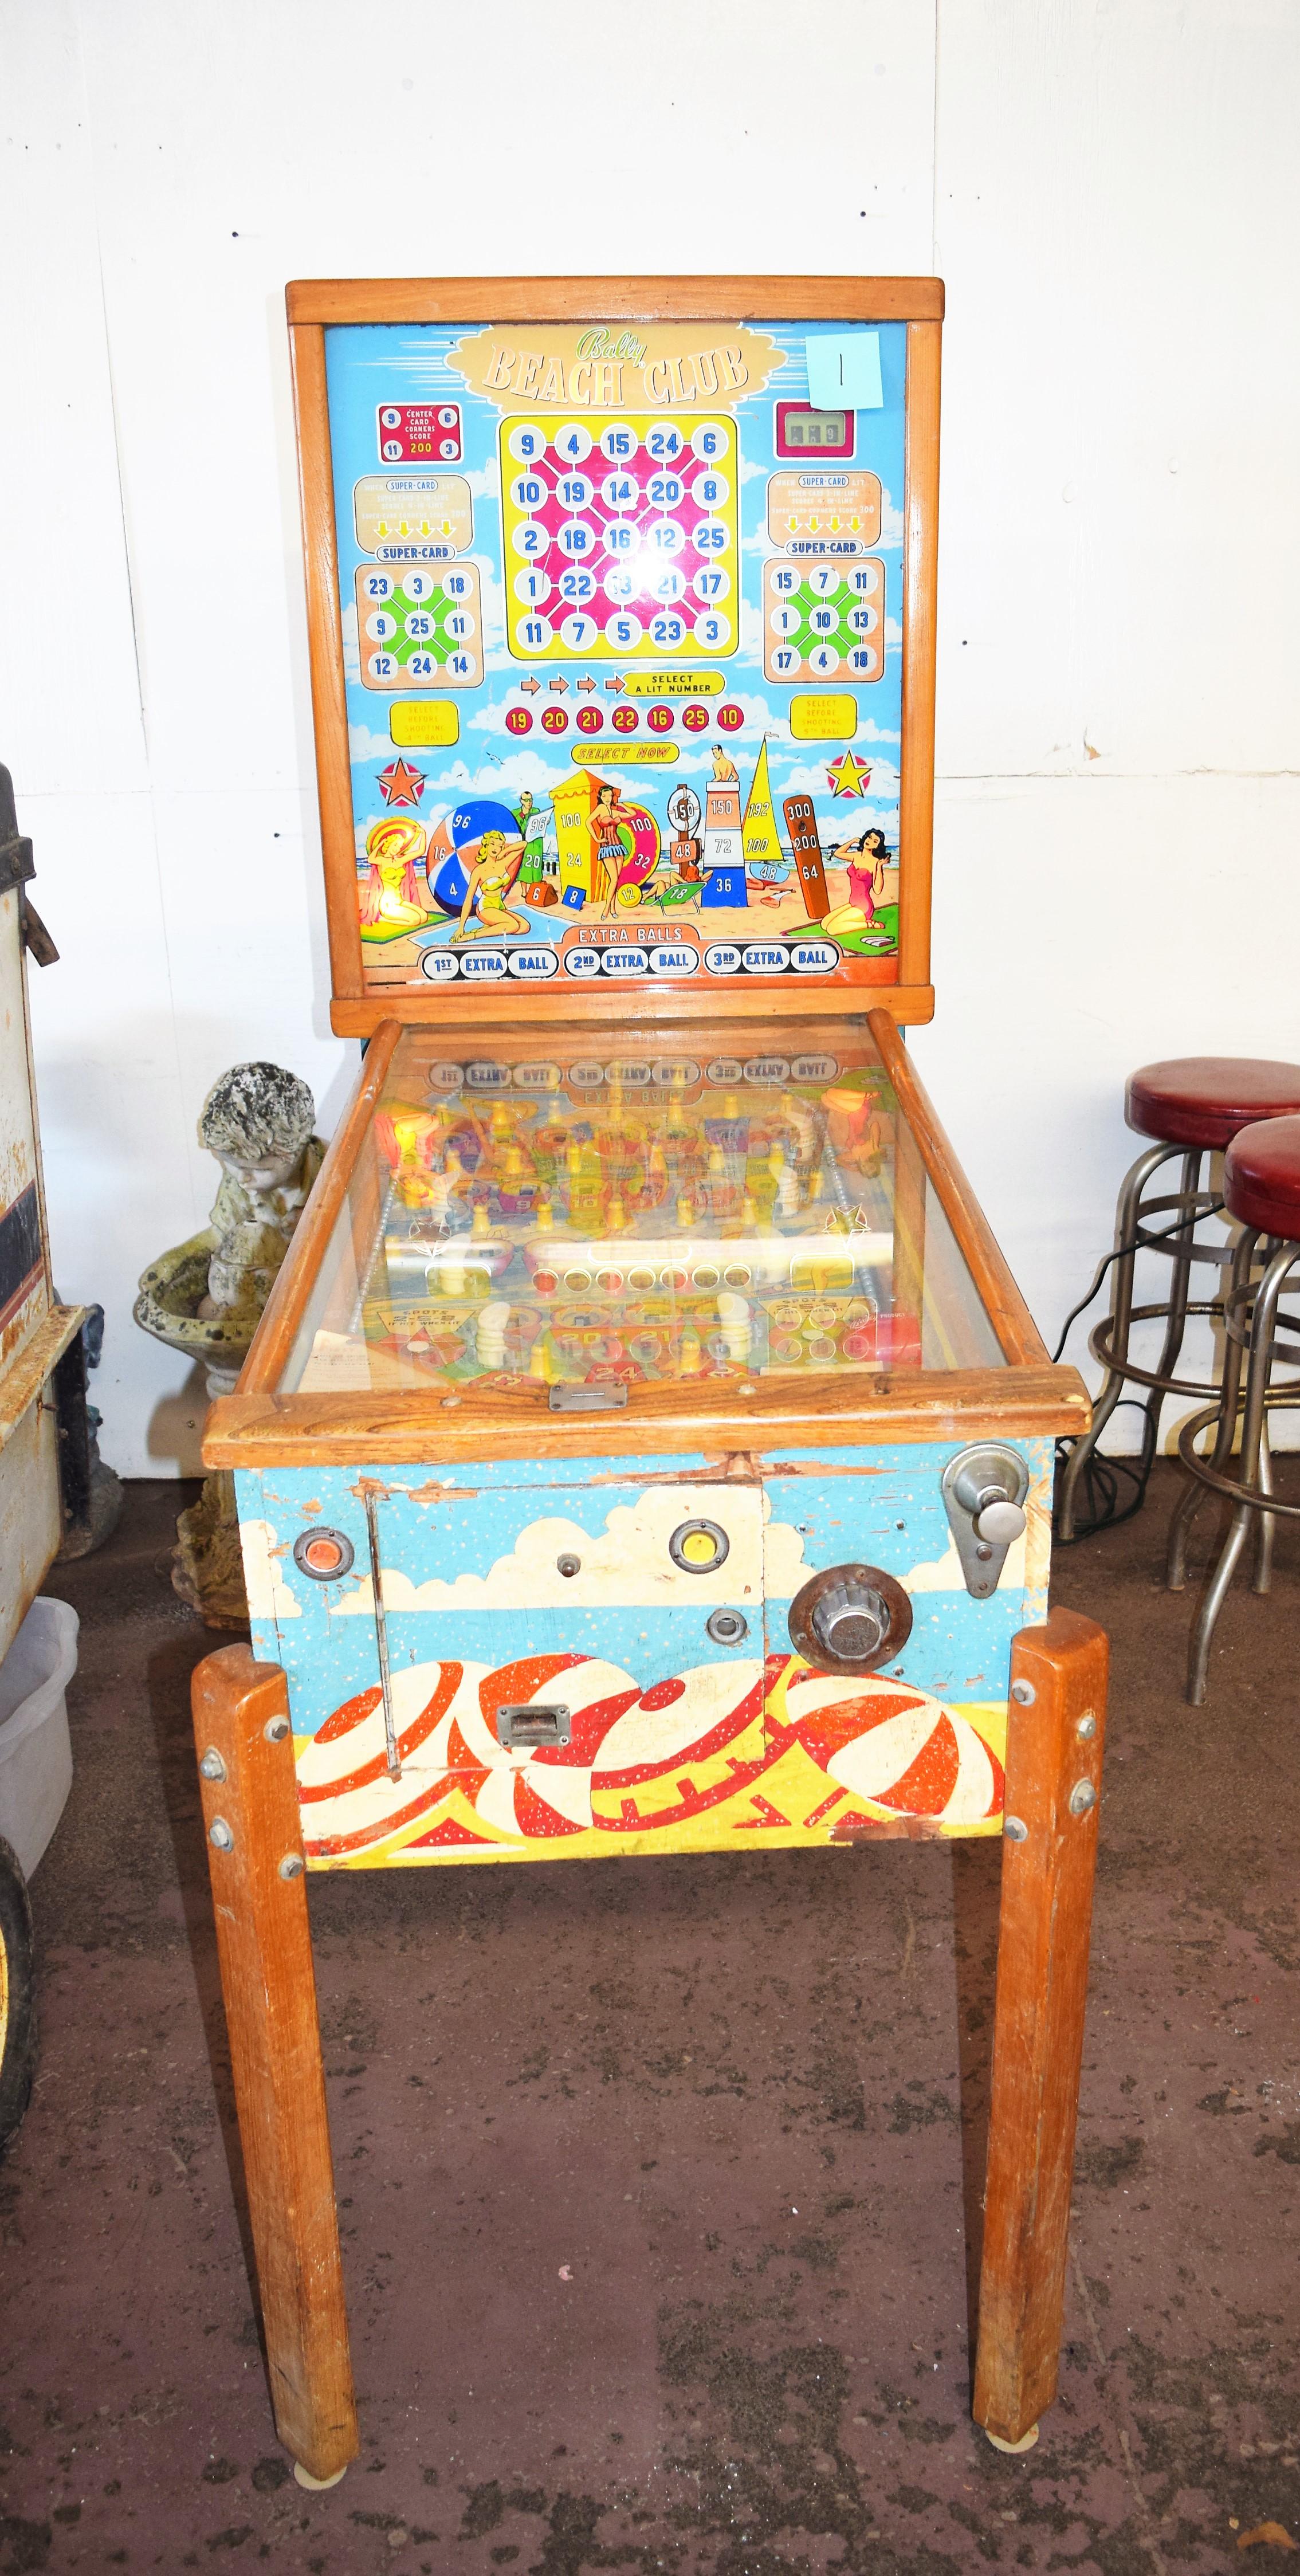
652, 2181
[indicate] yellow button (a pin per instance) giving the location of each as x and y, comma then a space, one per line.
699, 1548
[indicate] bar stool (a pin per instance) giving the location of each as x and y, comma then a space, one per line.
1261, 1189
1193, 1106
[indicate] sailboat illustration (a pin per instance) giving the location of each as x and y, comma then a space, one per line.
766, 862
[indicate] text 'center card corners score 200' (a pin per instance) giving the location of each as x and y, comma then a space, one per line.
622, 634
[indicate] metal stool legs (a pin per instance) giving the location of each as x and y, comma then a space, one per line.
1193, 1495
1110, 1341
1253, 1491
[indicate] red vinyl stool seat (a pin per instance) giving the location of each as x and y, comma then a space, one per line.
1193, 1106
1205, 1099
1261, 1177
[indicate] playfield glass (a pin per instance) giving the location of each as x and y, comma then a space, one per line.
602, 1214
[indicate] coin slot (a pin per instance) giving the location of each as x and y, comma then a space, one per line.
531, 1727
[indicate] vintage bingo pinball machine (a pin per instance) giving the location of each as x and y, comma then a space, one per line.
645, 1448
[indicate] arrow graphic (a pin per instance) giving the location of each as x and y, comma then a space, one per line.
531, 685
586, 682
561, 687
617, 682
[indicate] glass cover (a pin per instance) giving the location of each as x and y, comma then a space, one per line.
579, 1215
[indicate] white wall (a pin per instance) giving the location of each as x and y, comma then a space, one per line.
1111, 192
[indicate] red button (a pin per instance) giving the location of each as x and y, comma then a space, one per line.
323, 1555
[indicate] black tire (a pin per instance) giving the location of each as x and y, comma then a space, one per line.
17, 1998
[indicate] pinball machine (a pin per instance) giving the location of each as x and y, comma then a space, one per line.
645, 1448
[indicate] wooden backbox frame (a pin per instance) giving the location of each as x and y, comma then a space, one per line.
314, 304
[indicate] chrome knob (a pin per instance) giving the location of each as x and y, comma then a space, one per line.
849, 1622
851, 1619
995, 1511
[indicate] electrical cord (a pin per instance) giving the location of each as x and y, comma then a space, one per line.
1104, 1478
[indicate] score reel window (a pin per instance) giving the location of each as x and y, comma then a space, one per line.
620, 537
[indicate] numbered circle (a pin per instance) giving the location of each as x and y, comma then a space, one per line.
668, 584
620, 584
378, 585
390, 419
590, 719
618, 442
694, 717
625, 720
730, 719
534, 634
668, 633
448, 416
823, 659
577, 588
711, 441
381, 628
624, 632
460, 667
576, 539
554, 720
572, 444
784, 660
382, 666
659, 719
823, 621
421, 666
620, 491
534, 587
530, 540
663, 441
865, 578
527, 442
574, 491
783, 621
457, 585
785, 581
864, 621
519, 720
711, 584
665, 537
822, 579
621, 537
418, 623
528, 491
709, 491
458, 624
419, 585
712, 631
864, 658
709, 537
664, 491
579, 633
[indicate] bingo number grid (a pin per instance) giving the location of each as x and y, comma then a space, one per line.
824, 621
620, 537
420, 626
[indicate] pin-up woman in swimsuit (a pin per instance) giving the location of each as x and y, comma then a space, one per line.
499, 863
865, 860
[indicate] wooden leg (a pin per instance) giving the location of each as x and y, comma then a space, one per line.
1054, 1749
259, 1896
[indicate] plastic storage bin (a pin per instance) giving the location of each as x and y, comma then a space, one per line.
35, 1746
